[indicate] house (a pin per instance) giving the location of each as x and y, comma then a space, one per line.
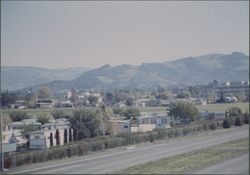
19, 104
120, 104
8, 134
120, 126
198, 101
45, 103
26, 122
151, 103
146, 123
8, 141
57, 132
150, 122
141, 102
164, 103
64, 104
213, 115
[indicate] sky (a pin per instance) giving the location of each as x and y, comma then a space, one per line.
60, 34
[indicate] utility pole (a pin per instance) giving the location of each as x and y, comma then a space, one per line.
1, 134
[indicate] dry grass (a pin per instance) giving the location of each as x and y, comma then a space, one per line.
189, 161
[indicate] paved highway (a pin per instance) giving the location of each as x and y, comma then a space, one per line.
117, 159
238, 165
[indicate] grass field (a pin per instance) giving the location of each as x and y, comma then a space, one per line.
184, 163
223, 106
161, 110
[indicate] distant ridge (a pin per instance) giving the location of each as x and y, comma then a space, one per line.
184, 71
17, 77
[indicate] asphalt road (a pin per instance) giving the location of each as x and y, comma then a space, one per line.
117, 159
238, 165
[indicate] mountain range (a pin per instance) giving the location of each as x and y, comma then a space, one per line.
14, 77
180, 72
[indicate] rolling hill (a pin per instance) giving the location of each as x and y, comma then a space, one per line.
13, 78
184, 71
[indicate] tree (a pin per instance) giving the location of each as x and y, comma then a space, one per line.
65, 136
58, 114
32, 101
183, 95
18, 115
109, 96
86, 123
106, 114
129, 102
222, 97
7, 98
212, 97
93, 99
44, 93
234, 111
131, 112
57, 137
43, 118
215, 83
183, 110
74, 97
6, 120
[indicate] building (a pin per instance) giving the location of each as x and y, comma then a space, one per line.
146, 123
44, 103
150, 122
240, 88
119, 104
120, 126
9, 143
8, 134
213, 115
26, 122
57, 132
64, 104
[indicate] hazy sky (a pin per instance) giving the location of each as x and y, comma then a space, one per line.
68, 34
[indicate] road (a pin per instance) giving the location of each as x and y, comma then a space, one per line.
117, 159
238, 165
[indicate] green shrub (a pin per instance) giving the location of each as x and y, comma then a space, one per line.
170, 133
18, 115
205, 126
234, 111
185, 131
161, 133
212, 126
238, 121
113, 142
226, 123
151, 137
246, 118
97, 145
177, 133
58, 114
